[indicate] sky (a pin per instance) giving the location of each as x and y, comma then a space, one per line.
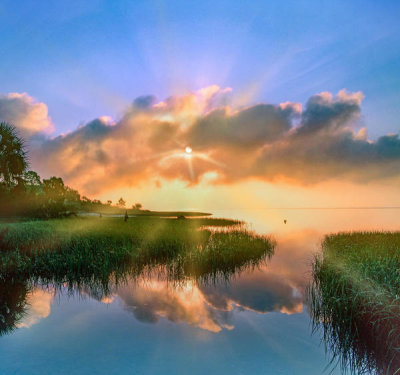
283, 103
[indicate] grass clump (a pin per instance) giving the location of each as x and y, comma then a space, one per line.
97, 254
71, 248
354, 299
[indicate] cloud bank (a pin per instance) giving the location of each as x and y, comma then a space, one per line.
284, 142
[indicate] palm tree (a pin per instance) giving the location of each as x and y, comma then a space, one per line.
13, 161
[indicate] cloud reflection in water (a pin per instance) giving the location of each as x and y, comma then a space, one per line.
276, 287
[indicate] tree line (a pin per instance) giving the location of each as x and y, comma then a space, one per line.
24, 193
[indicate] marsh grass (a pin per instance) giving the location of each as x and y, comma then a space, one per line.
98, 254
354, 300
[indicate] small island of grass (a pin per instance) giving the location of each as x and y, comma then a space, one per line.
355, 300
92, 253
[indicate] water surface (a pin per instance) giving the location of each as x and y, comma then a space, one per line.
254, 323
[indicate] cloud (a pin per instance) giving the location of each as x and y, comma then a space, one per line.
262, 291
182, 304
250, 127
39, 307
210, 306
282, 142
327, 113
25, 113
144, 102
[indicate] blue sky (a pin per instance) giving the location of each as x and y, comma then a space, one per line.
92, 58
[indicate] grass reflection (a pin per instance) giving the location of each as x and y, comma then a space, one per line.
12, 304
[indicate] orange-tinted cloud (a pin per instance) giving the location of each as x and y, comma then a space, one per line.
39, 307
283, 142
24, 112
185, 303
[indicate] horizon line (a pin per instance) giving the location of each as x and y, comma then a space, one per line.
318, 208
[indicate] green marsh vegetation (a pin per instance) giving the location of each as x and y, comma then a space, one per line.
86, 246
98, 253
355, 300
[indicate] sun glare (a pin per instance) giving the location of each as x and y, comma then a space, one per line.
188, 150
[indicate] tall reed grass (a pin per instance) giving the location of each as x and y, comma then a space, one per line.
354, 300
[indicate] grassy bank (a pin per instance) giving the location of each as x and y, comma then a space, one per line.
355, 300
74, 248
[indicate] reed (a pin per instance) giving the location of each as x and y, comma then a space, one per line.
354, 300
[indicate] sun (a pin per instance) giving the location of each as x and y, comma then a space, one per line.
188, 150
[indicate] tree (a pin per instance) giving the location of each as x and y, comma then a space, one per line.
138, 206
72, 199
109, 203
55, 195
13, 162
31, 178
121, 202
32, 182
54, 188
86, 200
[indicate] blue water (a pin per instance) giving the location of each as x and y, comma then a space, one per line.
255, 324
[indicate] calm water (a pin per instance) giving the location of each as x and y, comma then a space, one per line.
256, 323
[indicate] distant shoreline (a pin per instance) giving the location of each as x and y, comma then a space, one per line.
141, 213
